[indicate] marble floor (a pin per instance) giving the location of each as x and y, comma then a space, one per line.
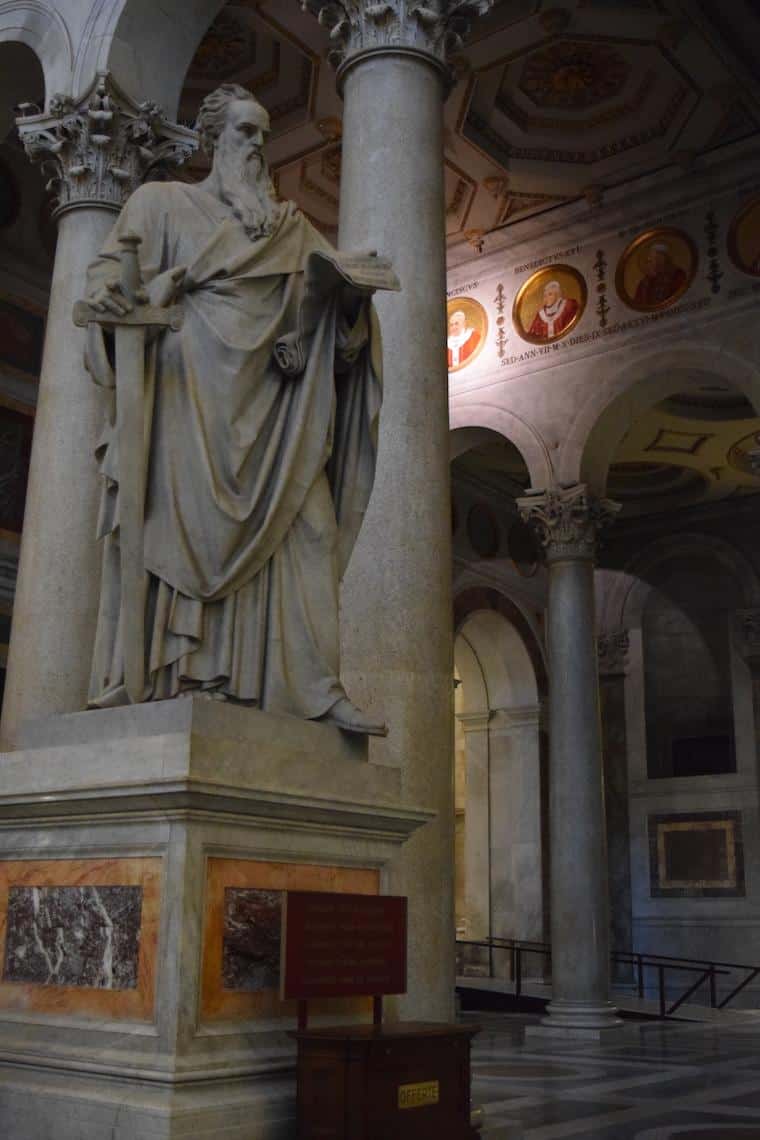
662, 1080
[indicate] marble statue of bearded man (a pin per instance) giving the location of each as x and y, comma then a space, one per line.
258, 470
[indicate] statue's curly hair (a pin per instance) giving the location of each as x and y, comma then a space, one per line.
213, 112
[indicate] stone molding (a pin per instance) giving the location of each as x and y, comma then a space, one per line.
613, 649
97, 150
474, 722
566, 521
747, 638
436, 28
517, 717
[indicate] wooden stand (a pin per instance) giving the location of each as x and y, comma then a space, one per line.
409, 1081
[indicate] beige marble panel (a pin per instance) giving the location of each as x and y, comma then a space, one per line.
134, 1004
218, 1003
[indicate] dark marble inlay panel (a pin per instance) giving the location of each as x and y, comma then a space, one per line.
74, 936
251, 939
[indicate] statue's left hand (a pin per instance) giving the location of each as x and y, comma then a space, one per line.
164, 289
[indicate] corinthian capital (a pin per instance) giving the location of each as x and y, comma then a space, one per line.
747, 637
567, 520
613, 653
435, 28
97, 150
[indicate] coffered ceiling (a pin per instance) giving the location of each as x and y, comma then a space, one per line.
552, 101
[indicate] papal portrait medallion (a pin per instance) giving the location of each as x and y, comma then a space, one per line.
549, 304
467, 331
656, 269
744, 238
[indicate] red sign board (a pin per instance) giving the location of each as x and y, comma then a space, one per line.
336, 945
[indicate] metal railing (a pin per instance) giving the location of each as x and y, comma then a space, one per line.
707, 972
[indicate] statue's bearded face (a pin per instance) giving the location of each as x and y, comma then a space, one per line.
242, 137
240, 164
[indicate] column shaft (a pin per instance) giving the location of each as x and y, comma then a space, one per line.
98, 150
57, 593
579, 890
396, 599
567, 520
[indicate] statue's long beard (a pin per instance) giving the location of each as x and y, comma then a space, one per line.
246, 187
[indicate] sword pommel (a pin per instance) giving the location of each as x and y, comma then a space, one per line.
131, 278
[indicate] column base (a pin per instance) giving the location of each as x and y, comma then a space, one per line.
584, 1021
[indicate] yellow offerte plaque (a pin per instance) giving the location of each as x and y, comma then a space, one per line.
417, 1096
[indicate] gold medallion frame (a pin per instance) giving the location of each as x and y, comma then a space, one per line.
733, 240
476, 312
636, 248
534, 285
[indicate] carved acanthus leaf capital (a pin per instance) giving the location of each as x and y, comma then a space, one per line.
435, 28
98, 149
613, 653
747, 637
567, 520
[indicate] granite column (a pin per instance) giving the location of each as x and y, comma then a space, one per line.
98, 150
567, 522
396, 601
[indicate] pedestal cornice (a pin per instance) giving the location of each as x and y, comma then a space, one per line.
97, 150
567, 520
433, 30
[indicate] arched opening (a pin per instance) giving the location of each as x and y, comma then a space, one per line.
500, 761
678, 448
500, 888
27, 250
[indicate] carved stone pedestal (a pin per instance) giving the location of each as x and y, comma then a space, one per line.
144, 850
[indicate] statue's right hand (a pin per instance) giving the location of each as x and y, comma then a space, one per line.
111, 299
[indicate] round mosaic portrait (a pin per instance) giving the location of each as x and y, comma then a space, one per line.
656, 269
744, 238
549, 304
467, 331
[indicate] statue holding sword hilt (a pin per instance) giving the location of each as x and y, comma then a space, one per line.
239, 461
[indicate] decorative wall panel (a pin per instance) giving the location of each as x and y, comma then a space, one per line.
80, 936
241, 939
696, 855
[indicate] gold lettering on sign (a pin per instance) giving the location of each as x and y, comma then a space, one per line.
418, 1095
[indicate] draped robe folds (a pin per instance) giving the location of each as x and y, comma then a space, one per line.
257, 481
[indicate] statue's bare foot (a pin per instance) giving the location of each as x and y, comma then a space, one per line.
347, 716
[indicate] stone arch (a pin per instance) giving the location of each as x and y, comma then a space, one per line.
41, 28
625, 600
515, 429
500, 786
509, 676
622, 397
145, 47
476, 599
